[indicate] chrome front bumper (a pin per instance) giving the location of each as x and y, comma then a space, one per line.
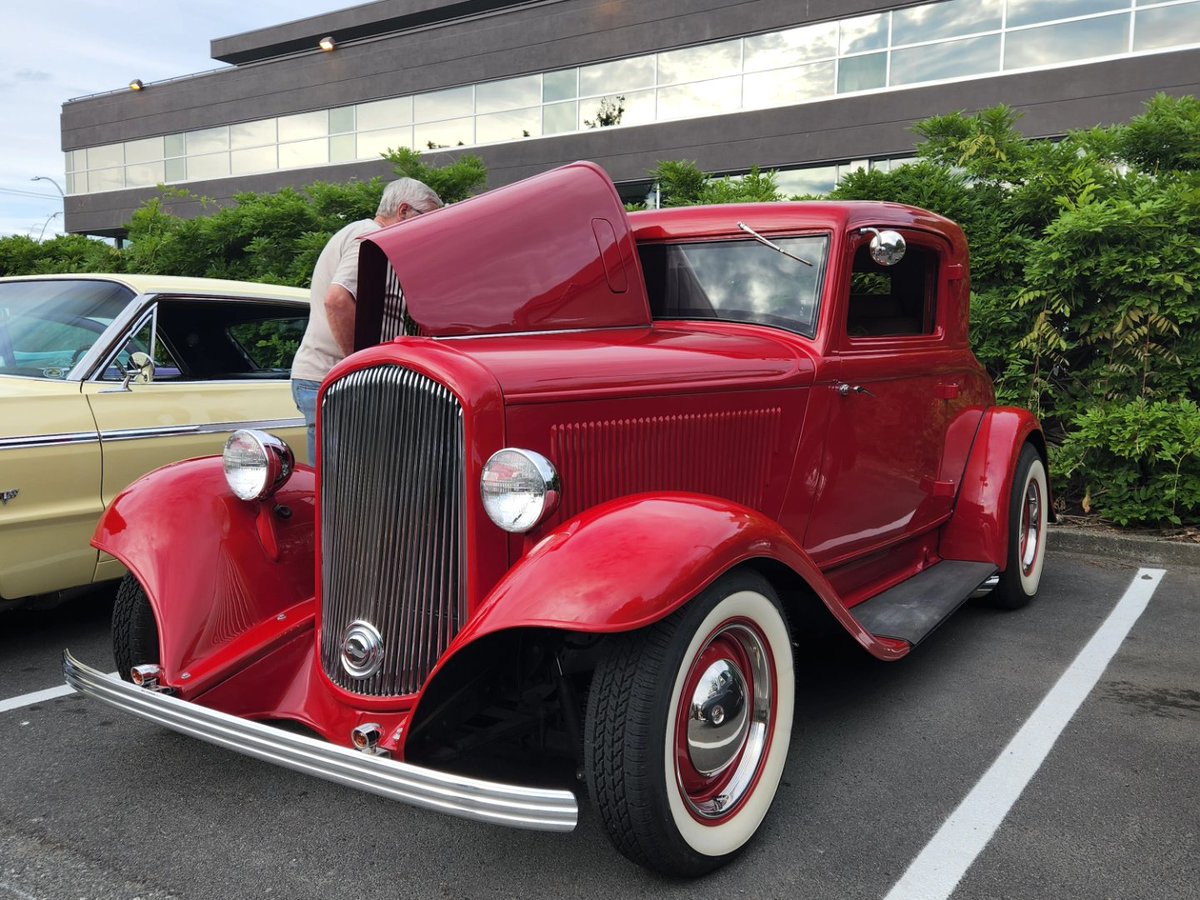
519, 807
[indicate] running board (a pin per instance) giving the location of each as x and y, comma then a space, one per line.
914, 608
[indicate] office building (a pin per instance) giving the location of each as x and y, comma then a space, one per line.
810, 88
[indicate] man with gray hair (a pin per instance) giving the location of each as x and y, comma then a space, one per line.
330, 334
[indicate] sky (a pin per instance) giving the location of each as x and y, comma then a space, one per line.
55, 50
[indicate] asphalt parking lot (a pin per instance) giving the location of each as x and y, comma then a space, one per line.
901, 782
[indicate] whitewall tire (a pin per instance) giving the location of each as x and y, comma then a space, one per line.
688, 727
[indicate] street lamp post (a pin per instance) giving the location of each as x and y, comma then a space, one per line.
57, 186
61, 193
49, 218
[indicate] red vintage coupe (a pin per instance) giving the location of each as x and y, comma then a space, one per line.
587, 480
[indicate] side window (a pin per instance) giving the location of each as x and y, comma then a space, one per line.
893, 301
215, 339
231, 339
270, 344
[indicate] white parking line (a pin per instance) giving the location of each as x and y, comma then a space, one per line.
38, 696
938, 868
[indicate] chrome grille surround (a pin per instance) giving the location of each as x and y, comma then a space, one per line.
393, 523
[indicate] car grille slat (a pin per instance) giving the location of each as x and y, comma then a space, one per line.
393, 515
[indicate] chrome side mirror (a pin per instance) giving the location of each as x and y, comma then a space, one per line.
144, 365
887, 247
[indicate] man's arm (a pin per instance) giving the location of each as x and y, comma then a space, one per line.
339, 309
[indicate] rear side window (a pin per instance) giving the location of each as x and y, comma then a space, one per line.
893, 301
739, 280
270, 343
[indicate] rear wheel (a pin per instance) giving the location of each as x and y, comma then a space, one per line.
688, 725
135, 632
1028, 511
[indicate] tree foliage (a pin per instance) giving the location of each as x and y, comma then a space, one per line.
1085, 258
267, 237
683, 183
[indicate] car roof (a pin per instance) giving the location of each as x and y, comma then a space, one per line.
711, 221
174, 284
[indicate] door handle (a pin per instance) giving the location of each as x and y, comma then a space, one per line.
846, 390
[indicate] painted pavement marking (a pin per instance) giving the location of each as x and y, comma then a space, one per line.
937, 870
38, 696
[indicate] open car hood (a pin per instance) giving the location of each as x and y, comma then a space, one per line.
551, 252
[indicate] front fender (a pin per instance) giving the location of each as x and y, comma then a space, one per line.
630, 562
228, 579
978, 529
620, 566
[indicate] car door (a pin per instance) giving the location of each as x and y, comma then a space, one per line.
881, 473
49, 487
219, 365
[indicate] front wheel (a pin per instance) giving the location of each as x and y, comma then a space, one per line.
135, 632
1028, 511
688, 725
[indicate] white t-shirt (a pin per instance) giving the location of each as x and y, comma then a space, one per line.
337, 264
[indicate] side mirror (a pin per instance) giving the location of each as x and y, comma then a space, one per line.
887, 247
144, 365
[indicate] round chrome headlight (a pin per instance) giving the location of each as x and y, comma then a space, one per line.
520, 488
256, 464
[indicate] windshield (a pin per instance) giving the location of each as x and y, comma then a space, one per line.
742, 280
46, 327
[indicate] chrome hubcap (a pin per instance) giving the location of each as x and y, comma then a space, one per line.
723, 726
718, 725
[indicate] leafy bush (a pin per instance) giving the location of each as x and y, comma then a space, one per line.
1136, 462
683, 183
268, 237
1085, 257
21, 255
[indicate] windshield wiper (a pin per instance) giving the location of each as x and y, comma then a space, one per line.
766, 243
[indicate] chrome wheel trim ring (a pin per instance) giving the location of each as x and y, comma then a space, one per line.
1031, 525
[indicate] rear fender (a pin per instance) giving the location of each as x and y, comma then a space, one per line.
978, 529
229, 580
630, 562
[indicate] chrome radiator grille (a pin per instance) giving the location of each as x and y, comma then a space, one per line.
392, 523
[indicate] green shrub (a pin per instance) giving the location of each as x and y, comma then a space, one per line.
1136, 462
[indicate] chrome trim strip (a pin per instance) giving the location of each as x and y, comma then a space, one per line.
581, 330
135, 434
536, 809
49, 440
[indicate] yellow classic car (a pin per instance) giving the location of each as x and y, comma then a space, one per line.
105, 377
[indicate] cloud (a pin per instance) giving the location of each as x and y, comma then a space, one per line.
33, 75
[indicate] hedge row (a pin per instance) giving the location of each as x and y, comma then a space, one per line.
1085, 265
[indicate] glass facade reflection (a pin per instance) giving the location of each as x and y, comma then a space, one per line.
931, 42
